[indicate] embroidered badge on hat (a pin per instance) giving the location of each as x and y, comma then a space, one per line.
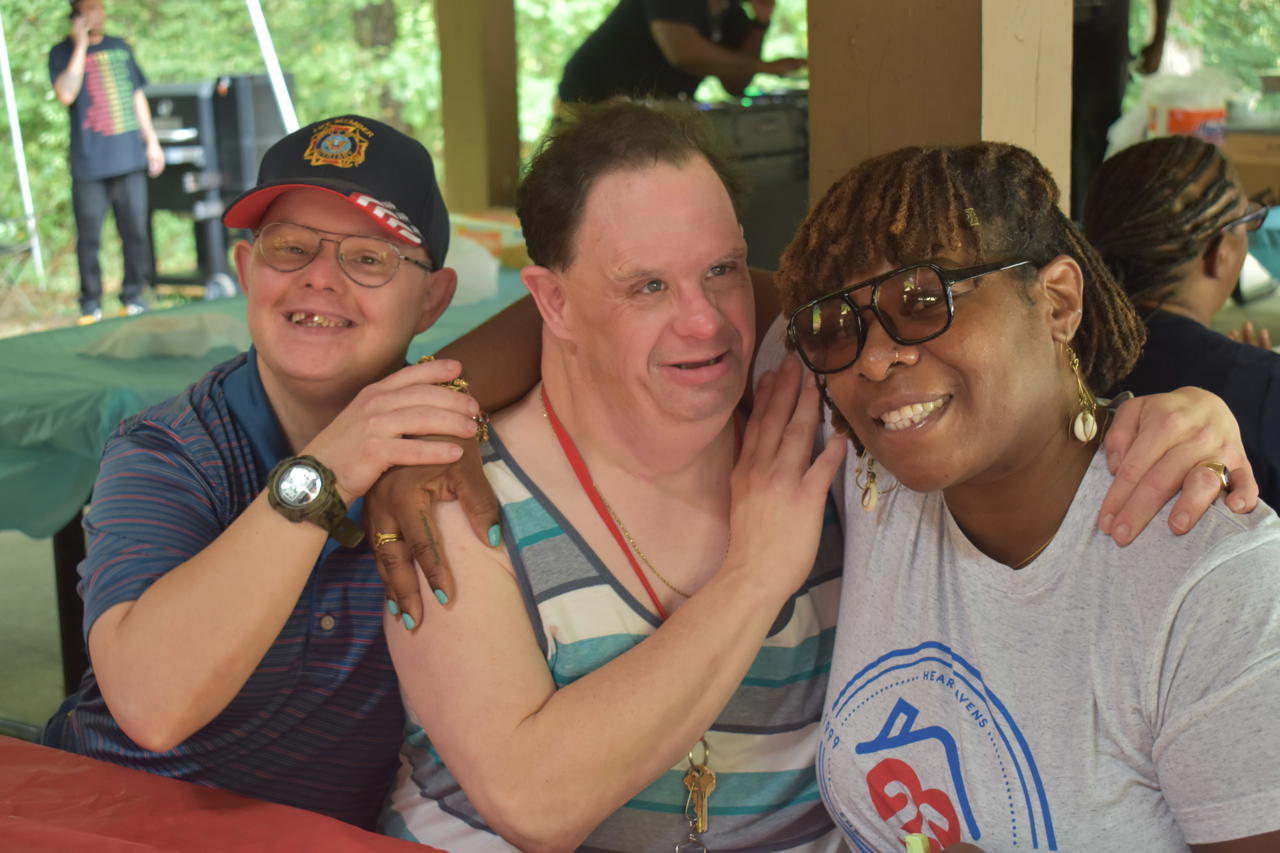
338, 143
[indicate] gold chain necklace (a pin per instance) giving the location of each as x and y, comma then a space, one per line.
627, 534
634, 547
1036, 553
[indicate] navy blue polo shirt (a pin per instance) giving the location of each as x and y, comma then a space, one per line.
319, 722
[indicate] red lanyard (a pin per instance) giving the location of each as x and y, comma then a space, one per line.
588, 485
584, 477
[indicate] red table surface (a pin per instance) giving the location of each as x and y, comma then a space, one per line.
54, 800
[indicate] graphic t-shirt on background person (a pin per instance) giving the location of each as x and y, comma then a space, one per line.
105, 136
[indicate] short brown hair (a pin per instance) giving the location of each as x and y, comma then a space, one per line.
915, 204
592, 141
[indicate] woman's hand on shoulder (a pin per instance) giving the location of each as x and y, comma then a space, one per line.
1156, 445
404, 501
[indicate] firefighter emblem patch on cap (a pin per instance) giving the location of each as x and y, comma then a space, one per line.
340, 143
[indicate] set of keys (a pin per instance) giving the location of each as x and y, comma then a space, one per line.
701, 781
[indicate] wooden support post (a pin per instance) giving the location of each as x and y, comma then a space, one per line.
478, 78
937, 72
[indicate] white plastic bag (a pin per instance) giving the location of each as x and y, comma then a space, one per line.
477, 270
1192, 104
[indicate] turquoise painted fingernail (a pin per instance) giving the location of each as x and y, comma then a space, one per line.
495, 535
408, 621
441, 597
392, 607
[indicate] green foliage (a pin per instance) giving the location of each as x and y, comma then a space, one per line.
184, 41
380, 57
1241, 37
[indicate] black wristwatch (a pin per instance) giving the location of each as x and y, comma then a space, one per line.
301, 489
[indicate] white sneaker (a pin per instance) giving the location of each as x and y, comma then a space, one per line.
133, 309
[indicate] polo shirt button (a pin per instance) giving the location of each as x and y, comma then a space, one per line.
327, 622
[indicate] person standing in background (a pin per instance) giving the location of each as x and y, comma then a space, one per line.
664, 48
113, 149
1099, 74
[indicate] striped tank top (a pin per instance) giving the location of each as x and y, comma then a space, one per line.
763, 745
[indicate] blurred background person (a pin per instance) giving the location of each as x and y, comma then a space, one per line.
113, 149
1100, 61
1171, 221
664, 48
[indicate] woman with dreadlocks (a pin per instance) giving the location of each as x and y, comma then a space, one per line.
1005, 676
1170, 220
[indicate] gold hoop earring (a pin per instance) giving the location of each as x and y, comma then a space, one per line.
1084, 426
866, 471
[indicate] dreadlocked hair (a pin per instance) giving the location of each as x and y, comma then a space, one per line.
989, 201
1155, 206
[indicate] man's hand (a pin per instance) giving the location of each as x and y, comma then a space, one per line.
403, 501
784, 66
1254, 337
778, 487
80, 31
1155, 446
155, 157
373, 432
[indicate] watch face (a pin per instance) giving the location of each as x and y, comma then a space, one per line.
299, 486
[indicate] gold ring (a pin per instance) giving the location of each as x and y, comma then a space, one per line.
1224, 476
380, 539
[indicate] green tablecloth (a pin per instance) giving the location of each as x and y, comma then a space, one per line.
57, 407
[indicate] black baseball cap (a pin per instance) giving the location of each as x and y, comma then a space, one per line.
372, 165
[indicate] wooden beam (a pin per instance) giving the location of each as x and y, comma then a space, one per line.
478, 82
937, 72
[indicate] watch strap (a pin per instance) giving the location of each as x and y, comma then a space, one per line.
327, 511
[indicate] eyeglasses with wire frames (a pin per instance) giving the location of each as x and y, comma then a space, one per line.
914, 304
1252, 220
368, 261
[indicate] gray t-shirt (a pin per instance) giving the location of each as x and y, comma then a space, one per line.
1100, 699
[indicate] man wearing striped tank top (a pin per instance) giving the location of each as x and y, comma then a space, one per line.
664, 597
232, 613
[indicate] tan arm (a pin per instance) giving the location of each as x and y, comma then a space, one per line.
686, 49
155, 155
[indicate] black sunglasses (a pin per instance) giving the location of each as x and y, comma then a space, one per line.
914, 304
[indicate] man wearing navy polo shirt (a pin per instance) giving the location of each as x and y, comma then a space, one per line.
232, 613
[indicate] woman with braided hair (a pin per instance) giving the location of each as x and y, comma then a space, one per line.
1005, 676
1170, 220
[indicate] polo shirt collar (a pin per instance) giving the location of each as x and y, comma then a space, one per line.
249, 405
